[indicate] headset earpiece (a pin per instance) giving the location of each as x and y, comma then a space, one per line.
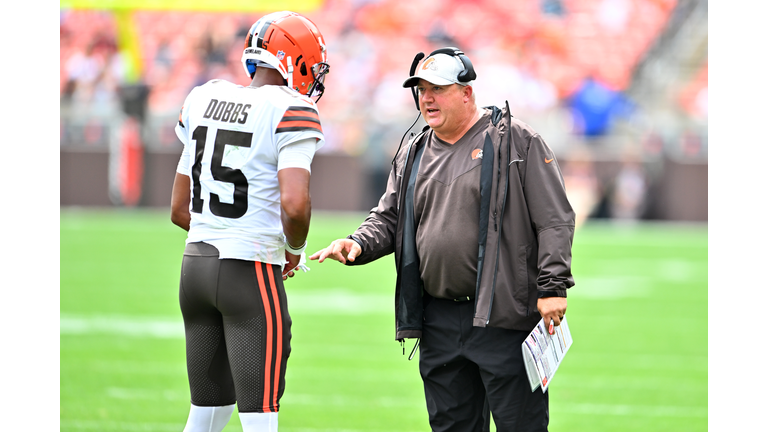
468, 74
469, 71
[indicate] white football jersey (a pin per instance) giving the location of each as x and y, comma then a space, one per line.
232, 138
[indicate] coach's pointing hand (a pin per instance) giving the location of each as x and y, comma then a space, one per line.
340, 250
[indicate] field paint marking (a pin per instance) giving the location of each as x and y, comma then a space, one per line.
288, 399
339, 300
653, 362
634, 410
346, 401
615, 287
103, 425
666, 268
121, 325
623, 382
147, 394
327, 302
303, 429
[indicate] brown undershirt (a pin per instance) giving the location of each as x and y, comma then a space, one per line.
447, 207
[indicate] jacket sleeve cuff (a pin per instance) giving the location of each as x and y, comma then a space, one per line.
407, 334
552, 293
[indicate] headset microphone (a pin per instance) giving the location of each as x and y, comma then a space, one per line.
415, 63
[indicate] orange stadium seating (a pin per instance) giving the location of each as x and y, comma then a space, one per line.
591, 38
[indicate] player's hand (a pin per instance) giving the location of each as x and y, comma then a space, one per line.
552, 309
291, 273
290, 266
340, 250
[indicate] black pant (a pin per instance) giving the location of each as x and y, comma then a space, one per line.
238, 330
461, 365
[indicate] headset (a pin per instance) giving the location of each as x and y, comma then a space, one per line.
467, 75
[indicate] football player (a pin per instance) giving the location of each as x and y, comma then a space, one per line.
242, 192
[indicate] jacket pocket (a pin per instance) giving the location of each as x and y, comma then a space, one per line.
521, 292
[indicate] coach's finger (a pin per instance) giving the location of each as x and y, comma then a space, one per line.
316, 255
338, 251
354, 251
322, 254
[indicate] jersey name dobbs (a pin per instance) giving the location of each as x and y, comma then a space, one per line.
227, 111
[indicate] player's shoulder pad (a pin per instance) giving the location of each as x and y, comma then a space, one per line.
299, 113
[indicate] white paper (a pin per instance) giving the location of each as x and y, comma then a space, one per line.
543, 353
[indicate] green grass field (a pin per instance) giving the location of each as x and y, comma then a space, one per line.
638, 315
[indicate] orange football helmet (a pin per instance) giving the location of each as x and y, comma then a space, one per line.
292, 44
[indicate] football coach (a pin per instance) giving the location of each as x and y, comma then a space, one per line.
476, 214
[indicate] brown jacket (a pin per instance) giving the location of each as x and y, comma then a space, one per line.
525, 237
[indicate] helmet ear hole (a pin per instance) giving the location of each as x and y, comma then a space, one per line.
303, 69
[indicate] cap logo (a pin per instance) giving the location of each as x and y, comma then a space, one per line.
429, 64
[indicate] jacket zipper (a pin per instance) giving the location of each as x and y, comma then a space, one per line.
498, 180
503, 205
402, 173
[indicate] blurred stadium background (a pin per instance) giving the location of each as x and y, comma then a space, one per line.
618, 89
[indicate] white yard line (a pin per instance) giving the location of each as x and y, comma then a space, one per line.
334, 301
633, 410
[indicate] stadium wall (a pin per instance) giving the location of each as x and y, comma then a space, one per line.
84, 180
341, 183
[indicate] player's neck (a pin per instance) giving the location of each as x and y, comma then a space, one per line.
266, 76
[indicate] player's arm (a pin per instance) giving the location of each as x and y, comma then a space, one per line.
293, 172
297, 140
295, 204
295, 211
180, 194
180, 201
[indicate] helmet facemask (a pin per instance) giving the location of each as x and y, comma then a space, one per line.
316, 89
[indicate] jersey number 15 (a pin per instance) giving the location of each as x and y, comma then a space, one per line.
220, 172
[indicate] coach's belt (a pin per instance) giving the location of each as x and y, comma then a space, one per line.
463, 299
